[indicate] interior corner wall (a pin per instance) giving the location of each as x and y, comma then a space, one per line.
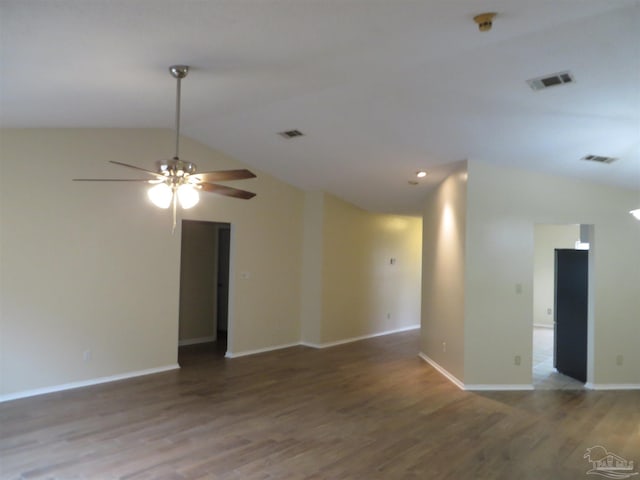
94, 266
546, 239
312, 257
503, 205
370, 271
443, 273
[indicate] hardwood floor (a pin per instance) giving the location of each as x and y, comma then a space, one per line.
366, 410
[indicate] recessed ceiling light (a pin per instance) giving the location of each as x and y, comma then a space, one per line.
421, 174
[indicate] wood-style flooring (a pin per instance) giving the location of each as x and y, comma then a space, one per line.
367, 410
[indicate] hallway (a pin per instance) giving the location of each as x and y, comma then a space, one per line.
545, 376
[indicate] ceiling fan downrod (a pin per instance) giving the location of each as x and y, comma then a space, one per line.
178, 72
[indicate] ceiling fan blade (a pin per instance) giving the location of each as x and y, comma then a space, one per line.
151, 172
222, 175
226, 191
111, 180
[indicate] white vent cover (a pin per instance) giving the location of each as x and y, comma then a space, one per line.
291, 134
599, 159
552, 80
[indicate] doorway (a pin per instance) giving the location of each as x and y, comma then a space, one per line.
204, 290
549, 345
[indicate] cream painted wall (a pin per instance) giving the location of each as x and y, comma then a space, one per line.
546, 239
362, 292
443, 273
503, 205
93, 266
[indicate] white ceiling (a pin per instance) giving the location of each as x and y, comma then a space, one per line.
381, 88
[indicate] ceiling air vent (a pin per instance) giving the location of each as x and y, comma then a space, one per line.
552, 80
291, 134
599, 159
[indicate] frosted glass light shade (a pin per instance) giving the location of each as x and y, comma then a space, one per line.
188, 196
160, 195
636, 213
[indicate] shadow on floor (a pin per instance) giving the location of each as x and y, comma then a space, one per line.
190, 355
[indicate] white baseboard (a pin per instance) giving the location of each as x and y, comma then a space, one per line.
473, 387
230, 354
443, 371
149, 371
362, 337
543, 325
498, 387
613, 386
194, 341
85, 383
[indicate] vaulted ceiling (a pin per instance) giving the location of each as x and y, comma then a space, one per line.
380, 88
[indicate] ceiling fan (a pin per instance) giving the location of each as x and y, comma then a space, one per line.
176, 181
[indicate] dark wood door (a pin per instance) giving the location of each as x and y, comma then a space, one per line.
571, 291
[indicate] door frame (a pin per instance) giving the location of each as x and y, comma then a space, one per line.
591, 237
230, 309
232, 289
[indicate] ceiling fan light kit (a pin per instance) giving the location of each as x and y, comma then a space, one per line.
636, 213
176, 180
160, 195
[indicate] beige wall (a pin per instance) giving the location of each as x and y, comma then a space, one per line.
94, 266
503, 205
362, 292
546, 239
443, 274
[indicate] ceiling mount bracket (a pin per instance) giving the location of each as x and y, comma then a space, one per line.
179, 71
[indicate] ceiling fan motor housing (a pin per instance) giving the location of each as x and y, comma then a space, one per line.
175, 165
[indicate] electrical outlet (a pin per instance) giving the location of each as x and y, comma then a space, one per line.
549, 311
518, 288
619, 360
388, 315
444, 346
517, 360
86, 355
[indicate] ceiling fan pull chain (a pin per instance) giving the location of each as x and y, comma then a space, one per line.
175, 205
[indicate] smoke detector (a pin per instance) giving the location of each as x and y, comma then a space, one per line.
484, 21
